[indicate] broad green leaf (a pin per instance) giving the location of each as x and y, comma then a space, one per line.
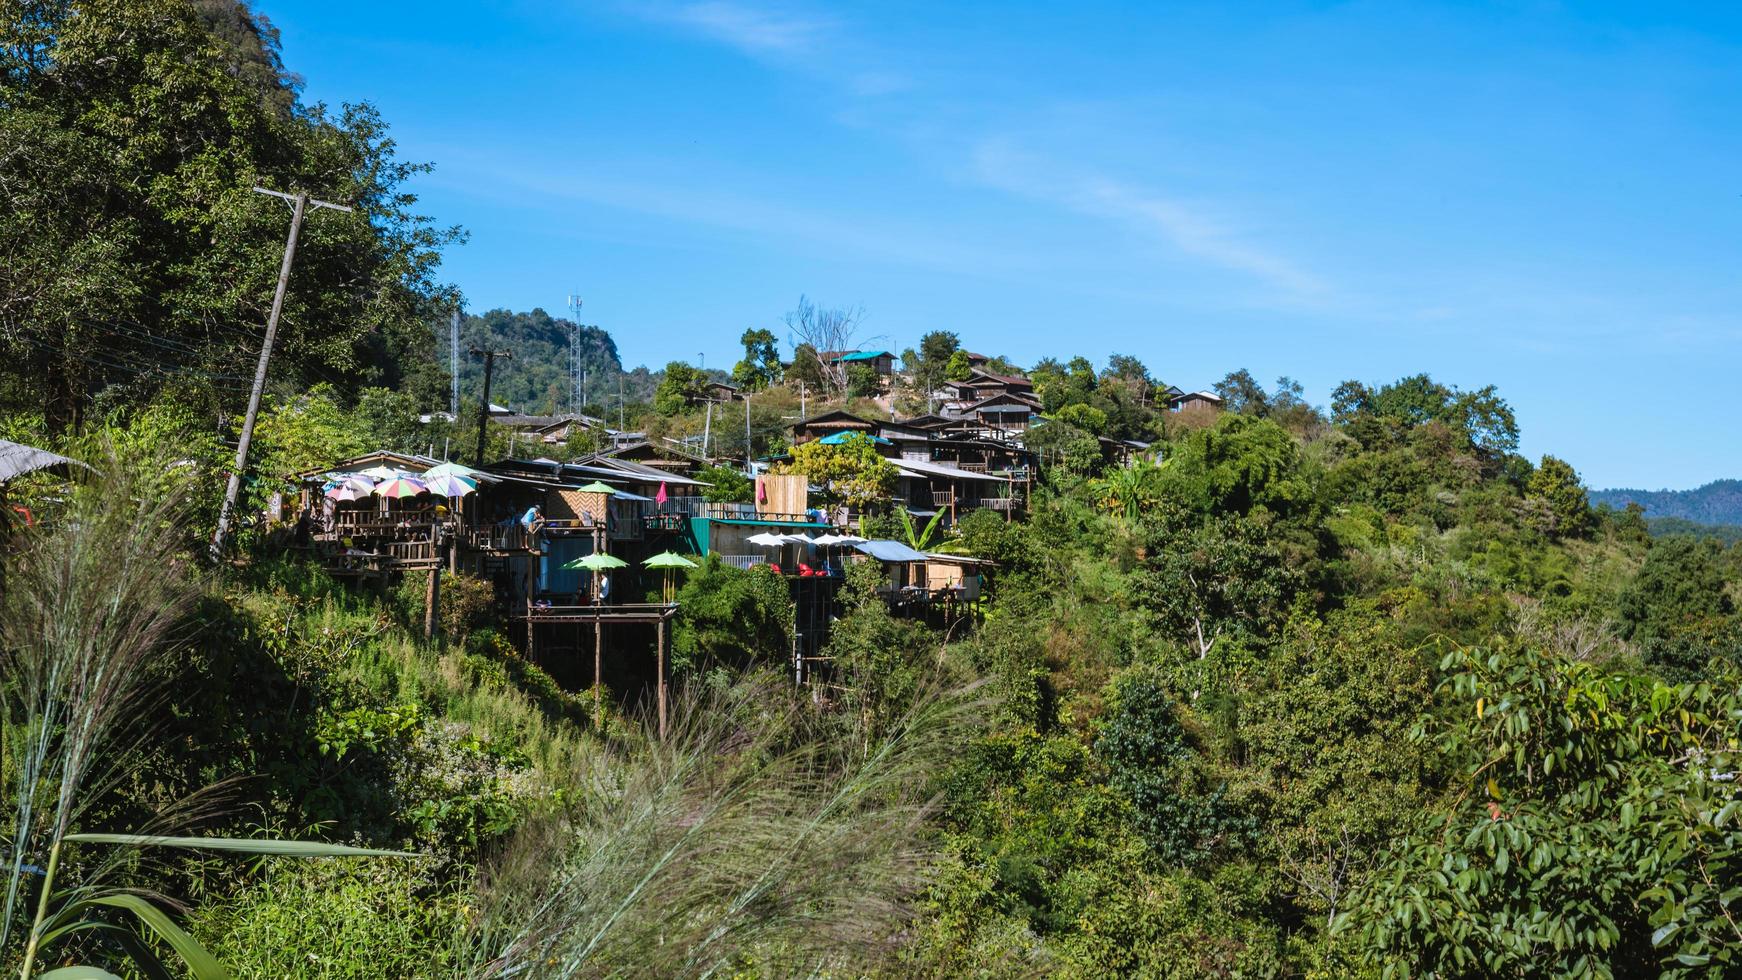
281, 848
78, 973
200, 962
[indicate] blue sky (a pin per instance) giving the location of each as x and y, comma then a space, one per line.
1542, 196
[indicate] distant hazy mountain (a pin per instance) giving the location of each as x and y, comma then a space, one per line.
1718, 502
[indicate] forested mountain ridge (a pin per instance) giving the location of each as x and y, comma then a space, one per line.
1718, 502
535, 379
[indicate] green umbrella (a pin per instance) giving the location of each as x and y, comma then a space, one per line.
668, 560
597, 487
598, 561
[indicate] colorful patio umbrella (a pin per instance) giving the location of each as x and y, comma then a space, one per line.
669, 560
345, 491
449, 484
597, 487
660, 497
598, 561
401, 487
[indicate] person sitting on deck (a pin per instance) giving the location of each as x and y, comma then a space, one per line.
604, 588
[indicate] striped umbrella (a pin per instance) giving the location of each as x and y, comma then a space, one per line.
449, 484
401, 487
345, 491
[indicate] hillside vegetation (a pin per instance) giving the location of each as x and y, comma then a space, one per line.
1354, 691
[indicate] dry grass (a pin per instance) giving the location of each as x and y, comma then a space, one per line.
753, 835
93, 600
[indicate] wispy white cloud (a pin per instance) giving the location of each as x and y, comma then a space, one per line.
785, 36
757, 31
1192, 229
792, 38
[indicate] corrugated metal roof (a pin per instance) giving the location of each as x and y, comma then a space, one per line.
913, 467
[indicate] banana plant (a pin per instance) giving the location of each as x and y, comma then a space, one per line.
90, 911
917, 539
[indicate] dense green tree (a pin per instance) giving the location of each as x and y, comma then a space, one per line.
1238, 464
805, 368
1150, 760
1086, 417
1556, 488
852, 470
726, 485
1059, 384
730, 617
1595, 833
958, 368
1064, 446
679, 388
1242, 394
936, 350
761, 364
863, 381
132, 249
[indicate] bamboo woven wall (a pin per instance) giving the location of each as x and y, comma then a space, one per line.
783, 494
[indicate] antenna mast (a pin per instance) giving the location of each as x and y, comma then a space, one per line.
577, 392
454, 365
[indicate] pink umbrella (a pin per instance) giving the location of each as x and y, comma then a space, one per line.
659, 498
347, 491
400, 487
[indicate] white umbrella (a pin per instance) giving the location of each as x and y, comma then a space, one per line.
766, 540
797, 539
831, 539
381, 471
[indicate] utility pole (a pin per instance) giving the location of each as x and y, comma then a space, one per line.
619, 401
299, 203
749, 467
707, 428
489, 357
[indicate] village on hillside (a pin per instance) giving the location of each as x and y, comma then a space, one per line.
573, 547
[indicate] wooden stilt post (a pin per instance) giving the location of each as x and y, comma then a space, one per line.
598, 664
431, 601
659, 652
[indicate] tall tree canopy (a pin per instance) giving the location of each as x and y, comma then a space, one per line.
132, 248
